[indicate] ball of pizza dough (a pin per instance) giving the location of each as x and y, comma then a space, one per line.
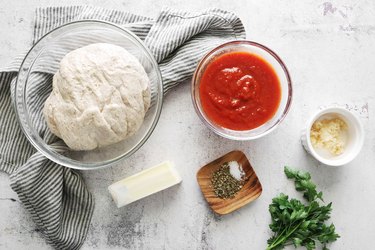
100, 96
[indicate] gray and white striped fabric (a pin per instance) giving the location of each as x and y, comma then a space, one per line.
55, 196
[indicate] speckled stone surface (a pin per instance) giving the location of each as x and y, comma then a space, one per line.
329, 48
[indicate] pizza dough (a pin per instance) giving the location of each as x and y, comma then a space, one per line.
100, 96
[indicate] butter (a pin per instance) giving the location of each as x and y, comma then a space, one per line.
144, 183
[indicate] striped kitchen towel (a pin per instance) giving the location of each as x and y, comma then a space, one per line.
56, 197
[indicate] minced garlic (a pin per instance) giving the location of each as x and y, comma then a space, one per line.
328, 134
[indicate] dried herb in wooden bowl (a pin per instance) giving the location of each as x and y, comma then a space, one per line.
224, 184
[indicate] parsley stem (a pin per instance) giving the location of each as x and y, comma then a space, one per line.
278, 242
280, 234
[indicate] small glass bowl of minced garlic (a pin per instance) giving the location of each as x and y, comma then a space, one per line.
334, 136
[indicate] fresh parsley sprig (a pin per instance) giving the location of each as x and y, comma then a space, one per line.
299, 224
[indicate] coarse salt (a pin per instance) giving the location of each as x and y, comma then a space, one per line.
236, 170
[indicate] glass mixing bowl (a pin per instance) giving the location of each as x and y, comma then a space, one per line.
285, 82
35, 79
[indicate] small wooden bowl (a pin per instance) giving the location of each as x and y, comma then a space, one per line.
251, 190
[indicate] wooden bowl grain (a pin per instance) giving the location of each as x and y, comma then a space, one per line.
250, 191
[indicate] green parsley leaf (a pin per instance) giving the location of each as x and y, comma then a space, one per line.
299, 224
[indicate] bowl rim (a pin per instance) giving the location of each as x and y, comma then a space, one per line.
344, 112
209, 124
39, 143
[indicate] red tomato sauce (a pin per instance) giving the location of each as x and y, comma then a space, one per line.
239, 91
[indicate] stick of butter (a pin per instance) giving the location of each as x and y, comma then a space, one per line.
144, 183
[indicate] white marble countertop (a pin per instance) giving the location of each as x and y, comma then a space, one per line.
329, 48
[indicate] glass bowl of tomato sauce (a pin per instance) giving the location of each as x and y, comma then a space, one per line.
241, 90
